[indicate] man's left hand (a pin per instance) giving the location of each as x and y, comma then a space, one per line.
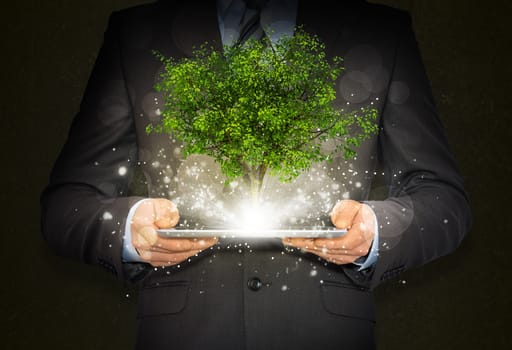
358, 219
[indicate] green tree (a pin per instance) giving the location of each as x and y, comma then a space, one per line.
260, 107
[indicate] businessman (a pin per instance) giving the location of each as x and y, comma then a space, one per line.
266, 294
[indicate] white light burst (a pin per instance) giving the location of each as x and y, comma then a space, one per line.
254, 217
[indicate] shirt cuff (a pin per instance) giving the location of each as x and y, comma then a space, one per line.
129, 252
368, 261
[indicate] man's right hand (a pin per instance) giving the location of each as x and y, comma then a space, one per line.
160, 213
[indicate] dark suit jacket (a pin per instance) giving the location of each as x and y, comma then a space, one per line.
303, 302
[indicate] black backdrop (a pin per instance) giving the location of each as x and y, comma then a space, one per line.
457, 302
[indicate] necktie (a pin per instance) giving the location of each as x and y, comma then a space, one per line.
252, 27
255, 4
242, 21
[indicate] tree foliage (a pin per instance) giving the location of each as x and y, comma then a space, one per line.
260, 107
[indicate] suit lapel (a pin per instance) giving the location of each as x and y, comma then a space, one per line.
328, 19
195, 22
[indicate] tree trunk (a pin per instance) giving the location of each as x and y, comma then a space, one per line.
255, 177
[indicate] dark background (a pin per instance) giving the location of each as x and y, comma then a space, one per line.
461, 301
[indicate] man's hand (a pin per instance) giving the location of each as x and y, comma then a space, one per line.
157, 213
359, 221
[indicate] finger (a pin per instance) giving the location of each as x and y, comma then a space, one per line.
139, 243
339, 243
339, 259
169, 262
142, 241
326, 247
158, 247
299, 242
362, 230
348, 252
333, 258
334, 245
185, 244
370, 220
163, 264
306, 246
346, 243
358, 251
148, 234
362, 250
360, 233
337, 246
151, 256
344, 212
166, 213
144, 215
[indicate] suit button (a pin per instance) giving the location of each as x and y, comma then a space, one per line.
254, 284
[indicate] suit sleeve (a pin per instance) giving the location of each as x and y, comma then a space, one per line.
427, 213
85, 205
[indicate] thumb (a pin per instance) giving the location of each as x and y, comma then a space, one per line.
166, 213
149, 234
344, 213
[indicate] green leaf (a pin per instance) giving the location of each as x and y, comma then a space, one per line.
260, 106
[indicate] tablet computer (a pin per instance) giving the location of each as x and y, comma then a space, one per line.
323, 232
